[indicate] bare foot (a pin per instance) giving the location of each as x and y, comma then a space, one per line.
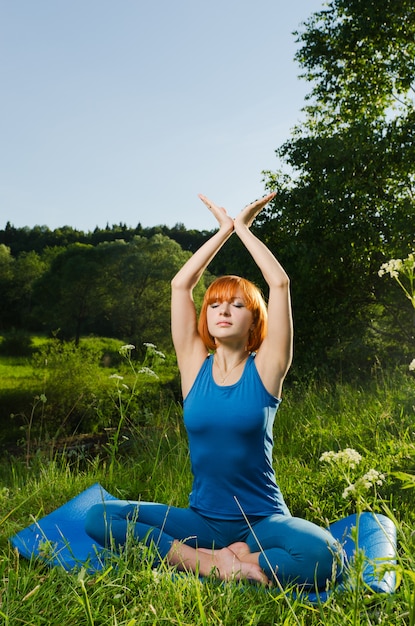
241, 550
230, 566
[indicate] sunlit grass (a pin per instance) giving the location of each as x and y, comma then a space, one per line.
15, 371
376, 420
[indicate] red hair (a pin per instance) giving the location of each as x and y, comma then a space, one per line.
225, 288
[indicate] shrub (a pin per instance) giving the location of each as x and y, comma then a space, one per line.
16, 343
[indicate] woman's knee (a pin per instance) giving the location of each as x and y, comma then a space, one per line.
327, 554
298, 550
320, 552
95, 522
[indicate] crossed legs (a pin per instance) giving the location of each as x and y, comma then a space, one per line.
292, 548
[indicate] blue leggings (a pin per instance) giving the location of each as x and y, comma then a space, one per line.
298, 550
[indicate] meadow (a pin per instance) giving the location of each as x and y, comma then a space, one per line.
339, 448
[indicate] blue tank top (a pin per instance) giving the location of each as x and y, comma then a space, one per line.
230, 439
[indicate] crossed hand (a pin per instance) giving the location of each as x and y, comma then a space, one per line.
245, 217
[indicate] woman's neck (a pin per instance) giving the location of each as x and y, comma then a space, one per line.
228, 362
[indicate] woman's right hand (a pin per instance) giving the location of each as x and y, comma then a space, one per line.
249, 213
225, 221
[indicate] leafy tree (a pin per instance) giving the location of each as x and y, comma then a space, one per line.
359, 56
6, 274
348, 202
67, 293
116, 289
17, 279
6, 261
139, 289
27, 269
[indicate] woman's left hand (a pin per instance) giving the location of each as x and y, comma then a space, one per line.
249, 213
225, 221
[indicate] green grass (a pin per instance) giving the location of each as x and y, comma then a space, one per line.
17, 374
76, 390
376, 420
12, 368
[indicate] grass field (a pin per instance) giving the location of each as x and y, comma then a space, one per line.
376, 421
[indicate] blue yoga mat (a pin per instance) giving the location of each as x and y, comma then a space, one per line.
374, 535
59, 539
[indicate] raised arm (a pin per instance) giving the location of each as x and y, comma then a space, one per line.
275, 354
189, 347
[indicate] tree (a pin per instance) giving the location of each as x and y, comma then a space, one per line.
67, 293
359, 56
6, 275
116, 289
27, 269
139, 284
348, 203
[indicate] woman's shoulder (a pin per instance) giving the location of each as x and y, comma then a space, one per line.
257, 378
201, 370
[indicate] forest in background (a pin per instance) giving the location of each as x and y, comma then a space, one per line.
115, 283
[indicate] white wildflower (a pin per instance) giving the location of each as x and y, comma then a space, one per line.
373, 477
348, 457
392, 267
149, 345
412, 366
327, 457
348, 491
126, 350
364, 483
116, 377
159, 354
147, 371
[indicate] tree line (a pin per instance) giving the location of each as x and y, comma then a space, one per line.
115, 288
344, 205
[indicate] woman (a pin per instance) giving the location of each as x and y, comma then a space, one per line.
237, 524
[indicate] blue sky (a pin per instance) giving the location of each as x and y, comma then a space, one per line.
124, 110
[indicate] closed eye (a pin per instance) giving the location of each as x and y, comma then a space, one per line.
239, 304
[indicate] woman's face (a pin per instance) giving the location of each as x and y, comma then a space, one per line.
229, 319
